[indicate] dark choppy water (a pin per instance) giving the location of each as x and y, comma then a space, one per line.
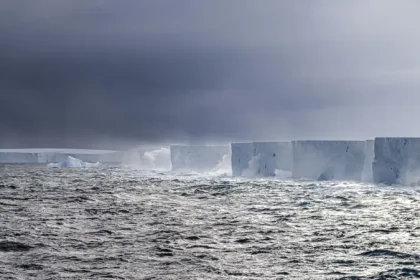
127, 224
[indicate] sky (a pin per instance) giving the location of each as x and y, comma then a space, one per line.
111, 74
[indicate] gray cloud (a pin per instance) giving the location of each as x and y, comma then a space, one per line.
112, 73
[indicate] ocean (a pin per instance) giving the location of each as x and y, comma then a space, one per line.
125, 223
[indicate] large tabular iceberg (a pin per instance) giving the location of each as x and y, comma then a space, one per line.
328, 160
397, 160
73, 163
18, 157
197, 158
57, 155
260, 158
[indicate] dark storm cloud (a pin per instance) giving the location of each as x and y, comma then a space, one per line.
84, 73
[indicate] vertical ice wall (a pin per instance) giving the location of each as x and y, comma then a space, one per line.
273, 156
367, 175
53, 157
59, 155
50, 157
397, 160
264, 157
18, 157
242, 154
328, 160
197, 158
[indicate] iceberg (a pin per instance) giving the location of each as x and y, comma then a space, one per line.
242, 154
50, 157
273, 156
57, 155
397, 160
328, 160
197, 158
71, 162
18, 157
263, 159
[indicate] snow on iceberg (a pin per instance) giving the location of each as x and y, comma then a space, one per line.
71, 162
328, 160
397, 161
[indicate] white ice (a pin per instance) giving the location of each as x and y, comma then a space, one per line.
56, 155
262, 159
242, 154
328, 160
397, 161
71, 162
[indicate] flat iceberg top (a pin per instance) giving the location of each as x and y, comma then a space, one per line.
197, 147
328, 141
390, 138
270, 142
52, 150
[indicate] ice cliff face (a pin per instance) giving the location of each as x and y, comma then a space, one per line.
397, 161
51, 155
273, 156
242, 154
260, 158
367, 175
328, 160
197, 158
21, 157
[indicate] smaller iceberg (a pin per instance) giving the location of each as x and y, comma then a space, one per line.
73, 163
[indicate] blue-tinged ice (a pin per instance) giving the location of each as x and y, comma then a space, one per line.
397, 160
328, 160
71, 162
261, 159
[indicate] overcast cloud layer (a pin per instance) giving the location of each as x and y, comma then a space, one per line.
113, 73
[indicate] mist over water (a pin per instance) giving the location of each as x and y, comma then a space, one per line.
152, 159
224, 167
253, 166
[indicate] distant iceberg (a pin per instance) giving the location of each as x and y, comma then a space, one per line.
58, 155
71, 162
